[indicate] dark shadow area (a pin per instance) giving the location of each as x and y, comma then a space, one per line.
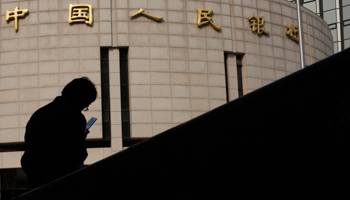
264, 35
13, 182
287, 140
90, 143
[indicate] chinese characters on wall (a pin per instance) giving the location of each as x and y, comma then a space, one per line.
203, 18
77, 13
142, 12
15, 14
293, 32
82, 13
256, 23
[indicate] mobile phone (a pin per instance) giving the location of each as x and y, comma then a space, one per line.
90, 123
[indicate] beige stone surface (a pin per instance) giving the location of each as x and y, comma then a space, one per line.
107, 152
9, 135
141, 130
94, 155
161, 91
11, 159
181, 116
159, 128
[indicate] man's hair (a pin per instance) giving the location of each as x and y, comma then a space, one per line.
80, 90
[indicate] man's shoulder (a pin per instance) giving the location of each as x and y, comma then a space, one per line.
58, 110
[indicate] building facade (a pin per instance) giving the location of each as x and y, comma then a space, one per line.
155, 63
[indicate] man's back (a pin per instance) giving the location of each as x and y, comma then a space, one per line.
54, 141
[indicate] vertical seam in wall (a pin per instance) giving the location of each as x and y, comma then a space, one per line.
110, 2
233, 18
308, 33
129, 72
273, 57
39, 51
170, 72
150, 72
128, 21
79, 47
259, 55
38, 74
18, 80
19, 86
188, 58
0, 48
58, 53
206, 62
171, 102
189, 68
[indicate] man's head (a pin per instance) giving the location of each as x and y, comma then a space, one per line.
81, 92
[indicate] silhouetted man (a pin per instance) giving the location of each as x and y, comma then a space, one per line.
55, 134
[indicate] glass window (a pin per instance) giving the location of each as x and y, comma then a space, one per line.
311, 6
309, 1
334, 34
346, 32
330, 16
346, 44
346, 23
346, 12
328, 4
332, 26
346, 2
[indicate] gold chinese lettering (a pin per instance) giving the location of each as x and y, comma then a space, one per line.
142, 12
203, 18
256, 23
293, 32
15, 14
80, 13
